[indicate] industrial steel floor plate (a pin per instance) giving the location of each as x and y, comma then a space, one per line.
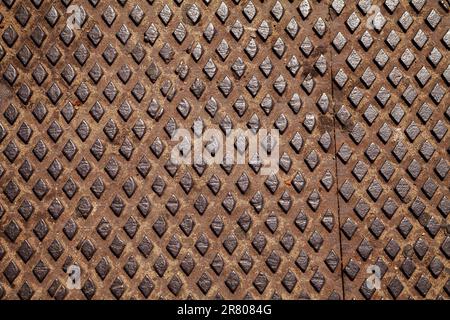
92, 93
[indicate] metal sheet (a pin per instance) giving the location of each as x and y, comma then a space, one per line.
92, 90
392, 147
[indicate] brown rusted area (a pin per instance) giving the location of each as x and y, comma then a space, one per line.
115, 106
394, 221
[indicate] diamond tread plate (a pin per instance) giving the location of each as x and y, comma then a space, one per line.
390, 88
357, 90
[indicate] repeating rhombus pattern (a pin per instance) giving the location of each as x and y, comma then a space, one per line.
390, 87
357, 91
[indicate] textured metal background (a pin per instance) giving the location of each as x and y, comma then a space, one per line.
85, 126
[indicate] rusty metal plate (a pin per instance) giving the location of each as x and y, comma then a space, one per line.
389, 85
92, 93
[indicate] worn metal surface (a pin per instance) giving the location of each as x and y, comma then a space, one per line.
392, 147
86, 116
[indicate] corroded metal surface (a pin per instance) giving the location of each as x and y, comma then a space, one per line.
392, 148
357, 90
